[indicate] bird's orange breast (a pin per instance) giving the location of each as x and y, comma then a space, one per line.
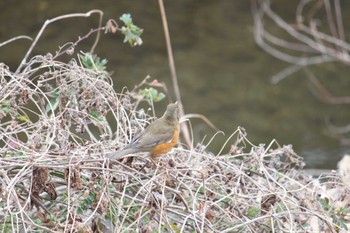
166, 147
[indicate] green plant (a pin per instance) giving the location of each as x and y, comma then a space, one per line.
131, 31
253, 212
5, 107
93, 62
152, 95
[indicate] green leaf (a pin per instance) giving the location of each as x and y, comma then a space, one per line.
340, 223
93, 62
160, 97
37, 221
343, 211
5, 107
325, 203
20, 153
52, 217
131, 32
126, 18
175, 228
253, 212
53, 102
96, 115
5, 110
152, 95
24, 118
5, 102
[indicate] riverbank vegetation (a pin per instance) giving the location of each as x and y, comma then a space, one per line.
57, 121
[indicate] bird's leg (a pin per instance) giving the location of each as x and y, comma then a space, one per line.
143, 166
156, 162
128, 161
147, 164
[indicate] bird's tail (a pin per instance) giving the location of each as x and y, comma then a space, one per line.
119, 154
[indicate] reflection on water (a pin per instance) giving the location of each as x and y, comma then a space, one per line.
222, 73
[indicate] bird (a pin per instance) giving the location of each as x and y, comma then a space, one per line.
157, 139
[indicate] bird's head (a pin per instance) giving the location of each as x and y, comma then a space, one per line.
172, 112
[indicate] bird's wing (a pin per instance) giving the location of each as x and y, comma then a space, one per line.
153, 135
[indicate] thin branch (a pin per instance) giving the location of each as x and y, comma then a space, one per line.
48, 22
14, 39
200, 116
323, 93
184, 129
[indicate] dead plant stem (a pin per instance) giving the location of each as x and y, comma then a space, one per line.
184, 129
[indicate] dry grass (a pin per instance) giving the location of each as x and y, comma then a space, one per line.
58, 121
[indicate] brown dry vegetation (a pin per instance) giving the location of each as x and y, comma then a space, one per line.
58, 120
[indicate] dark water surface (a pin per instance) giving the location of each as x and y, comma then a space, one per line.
222, 73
